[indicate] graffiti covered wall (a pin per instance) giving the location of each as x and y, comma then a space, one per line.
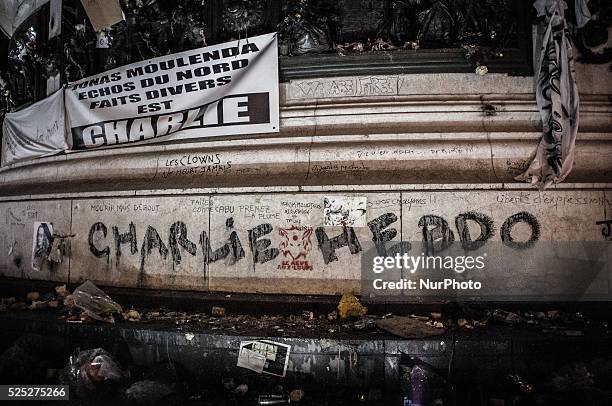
278, 243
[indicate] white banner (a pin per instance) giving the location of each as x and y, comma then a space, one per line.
225, 89
35, 131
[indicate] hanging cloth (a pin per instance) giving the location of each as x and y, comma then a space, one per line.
557, 99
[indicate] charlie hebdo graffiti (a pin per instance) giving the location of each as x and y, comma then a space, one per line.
296, 248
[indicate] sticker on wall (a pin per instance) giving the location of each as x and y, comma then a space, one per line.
42, 240
295, 245
344, 211
267, 357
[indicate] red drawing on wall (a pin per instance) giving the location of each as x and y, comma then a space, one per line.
295, 245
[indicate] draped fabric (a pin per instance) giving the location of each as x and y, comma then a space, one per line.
34, 132
557, 100
15, 12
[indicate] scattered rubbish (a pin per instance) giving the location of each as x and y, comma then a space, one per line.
37, 305
296, 395
349, 306
571, 377
228, 383
251, 360
521, 385
61, 292
132, 315
332, 316
360, 325
506, 317
436, 316
421, 384
307, 315
482, 70
273, 400
462, 322
147, 392
8, 300
408, 327
218, 311
189, 336
19, 306
91, 370
32, 296
93, 301
264, 356
47, 297
241, 389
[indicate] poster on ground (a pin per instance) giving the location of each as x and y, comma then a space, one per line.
263, 356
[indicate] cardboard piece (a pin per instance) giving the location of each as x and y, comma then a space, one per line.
102, 13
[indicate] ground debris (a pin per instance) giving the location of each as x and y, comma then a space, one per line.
147, 392
32, 296
92, 371
296, 395
349, 306
61, 292
407, 327
507, 317
97, 304
38, 305
19, 306
218, 311
132, 315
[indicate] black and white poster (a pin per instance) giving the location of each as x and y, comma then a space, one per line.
225, 89
263, 356
42, 240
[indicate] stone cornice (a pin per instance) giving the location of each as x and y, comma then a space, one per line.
410, 139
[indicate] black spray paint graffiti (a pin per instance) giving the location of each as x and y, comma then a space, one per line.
129, 237
606, 229
328, 246
435, 230
486, 229
178, 238
524, 217
93, 235
437, 235
381, 237
259, 246
231, 250
151, 240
